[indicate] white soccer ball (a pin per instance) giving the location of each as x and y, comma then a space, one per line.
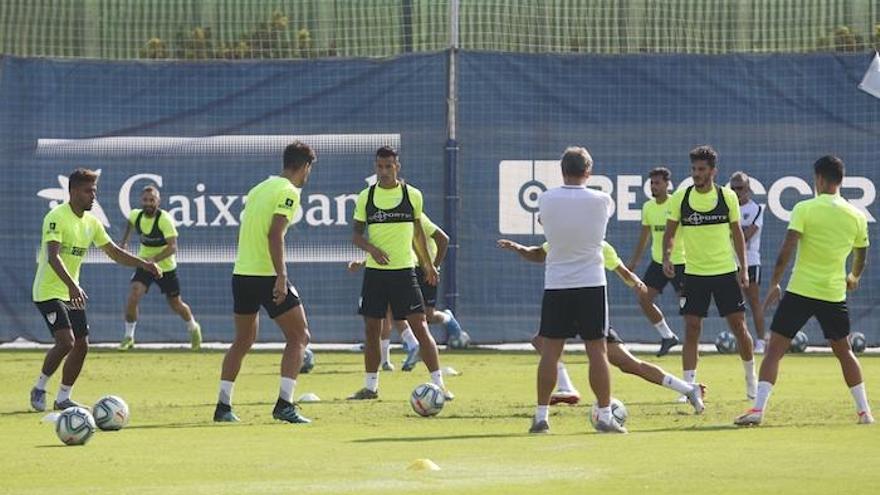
725, 342
799, 342
618, 411
857, 342
460, 341
427, 400
308, 361
75, 426
111, 413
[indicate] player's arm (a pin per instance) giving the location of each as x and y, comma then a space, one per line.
432, 277
78, 296
789, 246
668, 242
276, 252
125, 258
630, 278
441, 238
739, 245
750, 232
170, 249
123, 243
860, 259
361, 242
355, 266
535, 254
644, 238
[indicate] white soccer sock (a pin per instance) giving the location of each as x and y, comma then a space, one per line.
563, 381
542, 413
225, 396
860, 395
42, 381
437, 379
749, 368
371, 381
129, 329
191, 325
605, 414
677, 384
386, 351
444, 316
764, 389
288, 385
63, 392
409, 337
663, 329
690, 376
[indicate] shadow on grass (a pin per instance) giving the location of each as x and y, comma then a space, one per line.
22, 413
441, 438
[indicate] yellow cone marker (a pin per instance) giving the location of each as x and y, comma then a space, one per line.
423, 465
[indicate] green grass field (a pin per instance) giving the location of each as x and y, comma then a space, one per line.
809, 443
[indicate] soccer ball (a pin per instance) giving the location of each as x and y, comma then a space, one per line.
799, 343
725, 342
460, 341
618, 411
857, 342
427, 400
75, 426
111, 413
308, 361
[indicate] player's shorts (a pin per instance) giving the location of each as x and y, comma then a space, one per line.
398, 289
249, 292
568, 313
59, 316
656, 279
429, 292
700, 289
795, 310
169, 284
613, 337
755, 274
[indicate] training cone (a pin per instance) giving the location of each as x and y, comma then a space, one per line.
423, 465
450, 371
309, 397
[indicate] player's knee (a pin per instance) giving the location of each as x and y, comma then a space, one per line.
64, 342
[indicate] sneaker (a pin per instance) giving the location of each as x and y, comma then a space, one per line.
751, 389
610, 427
448, 395
865, 418
695, 397
752, 417
387, 366
38, 399
666, 345
412, 359
287, 411
126, 344
68, 403
760, 346
570, 397
223, 414
364, 394
539, 427
195, 338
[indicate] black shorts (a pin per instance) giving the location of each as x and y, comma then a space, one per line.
429, 292
700, 289
613, 337
755, 274
795, 310
249, 292
567, 313
396, 288
656, 279
59, 316
168, 284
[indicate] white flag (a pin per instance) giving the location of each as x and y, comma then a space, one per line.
871, 82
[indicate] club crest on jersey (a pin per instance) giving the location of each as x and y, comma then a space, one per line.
51, 317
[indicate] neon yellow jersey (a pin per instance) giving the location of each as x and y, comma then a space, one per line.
654, 215
429, 228
273, 196
830, 228
395, 239
166, 226
708, 246
76, 235
609, 254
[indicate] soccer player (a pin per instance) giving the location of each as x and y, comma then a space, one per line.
824, 231
654, 214
574, 304
389, 213
259, 278
158, 243
752, 224
708, 214
618, 355
68, 231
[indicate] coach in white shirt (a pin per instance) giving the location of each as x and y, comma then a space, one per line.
574, 220
752, 223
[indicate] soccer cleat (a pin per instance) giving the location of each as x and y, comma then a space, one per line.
752, 417
539, 427
412, 359
570, 397
865, 418
126, 344
223, 414
364, 394
760, 345
38, 399
611, 426
448, 395
195, 337
67, 403
666, 345
287, 411
695, 397
387, 366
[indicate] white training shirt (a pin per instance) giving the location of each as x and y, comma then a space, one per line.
752, 214
574, 220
